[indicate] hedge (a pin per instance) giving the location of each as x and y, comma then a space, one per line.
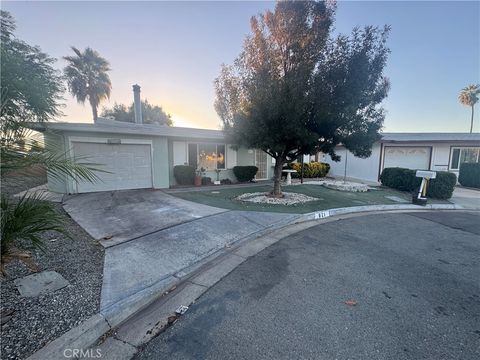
310, 170
405, 180
469, 175
184, 174
245, 173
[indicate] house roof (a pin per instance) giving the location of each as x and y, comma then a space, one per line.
119, 127
431, 137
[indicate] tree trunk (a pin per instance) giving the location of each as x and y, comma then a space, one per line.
277, 177
471, 121
94, 110
301, 175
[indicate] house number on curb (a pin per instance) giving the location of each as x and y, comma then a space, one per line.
322, 214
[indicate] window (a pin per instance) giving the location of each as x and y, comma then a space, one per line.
207, 156
462, 155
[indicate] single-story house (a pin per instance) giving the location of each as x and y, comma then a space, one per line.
426, 151
137, 155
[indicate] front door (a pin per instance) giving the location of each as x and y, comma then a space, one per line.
261, 164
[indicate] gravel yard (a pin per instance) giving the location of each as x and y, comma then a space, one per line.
19, 181
36, 321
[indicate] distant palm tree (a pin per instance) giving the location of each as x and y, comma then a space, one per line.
87, 77
469, 97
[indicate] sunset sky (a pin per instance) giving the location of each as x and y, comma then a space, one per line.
174, 50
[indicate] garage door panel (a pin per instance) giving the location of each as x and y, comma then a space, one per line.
127, 166
407, 157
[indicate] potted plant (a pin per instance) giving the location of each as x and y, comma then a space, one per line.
198, 176
217, 182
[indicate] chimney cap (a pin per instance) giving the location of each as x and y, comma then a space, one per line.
136, 87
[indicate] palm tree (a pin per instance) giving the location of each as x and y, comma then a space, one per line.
87, 77
469, 97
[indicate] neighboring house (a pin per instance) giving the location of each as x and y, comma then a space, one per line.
428, 151
139, 155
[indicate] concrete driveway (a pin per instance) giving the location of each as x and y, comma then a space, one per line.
153, 238
389, 286
117, 216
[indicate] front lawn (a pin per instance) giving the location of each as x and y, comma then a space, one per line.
328, 199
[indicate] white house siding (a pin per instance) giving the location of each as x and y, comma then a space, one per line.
440, 157
179, 153
231, 157
357, 168
368, 169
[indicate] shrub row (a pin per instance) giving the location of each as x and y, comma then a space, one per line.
245, 173
184, 174
469, 175
310, 170
405, 180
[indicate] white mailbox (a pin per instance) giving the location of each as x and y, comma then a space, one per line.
427, 174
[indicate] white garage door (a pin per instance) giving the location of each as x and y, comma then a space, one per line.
407, 157
129, 166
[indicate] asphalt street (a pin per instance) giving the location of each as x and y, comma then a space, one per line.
389, 286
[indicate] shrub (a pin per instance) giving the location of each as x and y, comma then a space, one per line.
206, 180
469, 175
310, 170
442, 186
225, 181
184, 174
245, 173
405, 180
400, 179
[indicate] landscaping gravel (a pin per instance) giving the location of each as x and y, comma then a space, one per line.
39, 320
338, 185
287, 199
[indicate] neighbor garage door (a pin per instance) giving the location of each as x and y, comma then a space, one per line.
129, 166
407, 157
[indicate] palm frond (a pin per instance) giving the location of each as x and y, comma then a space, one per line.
23, 221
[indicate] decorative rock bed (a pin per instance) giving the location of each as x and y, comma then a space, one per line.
288, 199
338, 185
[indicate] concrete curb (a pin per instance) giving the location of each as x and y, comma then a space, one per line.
204, 273
371, 208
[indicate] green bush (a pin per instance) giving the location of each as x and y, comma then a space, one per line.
245, 173
469, 175
310, 170
184, 174
400, 179
405, 180
442, 186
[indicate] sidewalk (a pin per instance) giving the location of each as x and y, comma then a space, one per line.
467, 198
